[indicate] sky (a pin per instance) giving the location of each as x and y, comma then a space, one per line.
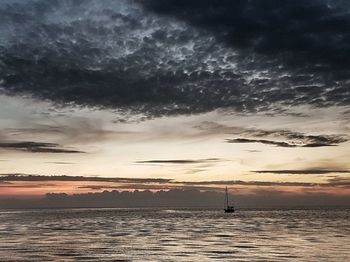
164, 95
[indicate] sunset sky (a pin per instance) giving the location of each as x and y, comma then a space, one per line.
152, 94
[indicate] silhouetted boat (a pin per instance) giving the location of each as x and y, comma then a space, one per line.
228, 208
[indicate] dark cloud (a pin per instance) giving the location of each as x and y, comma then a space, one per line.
304, 33
293, 138
179, 161
37, 147
281, 144
262, 141
176, 57
251, 183
303, 171
98, 187
33, 177
161, 183
337, 182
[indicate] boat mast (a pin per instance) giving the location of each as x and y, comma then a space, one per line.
226, 198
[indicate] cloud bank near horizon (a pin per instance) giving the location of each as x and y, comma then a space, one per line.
177, 198
148, 183
79, 191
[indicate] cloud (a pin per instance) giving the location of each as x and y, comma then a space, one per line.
171, 198
178, 57
340, 181
195, 165
330, 142
296, 140
262, 141
12, 185
163, 183
251, 183
5, 183
69, 131
34, 177
255, 135
154, 187
98, 187
311, 34
178, 198
303, 171
180, 161
37, 147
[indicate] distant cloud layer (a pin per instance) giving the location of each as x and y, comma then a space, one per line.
33, 177
175, 198
303, 171
177, 57
163, 183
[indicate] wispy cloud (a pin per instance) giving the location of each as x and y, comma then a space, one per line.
34, 177
179, 161
295, 140
340, 181
163, 183
333, 182
250, 183
37, 147
303, 171
275, 137
5, 183
78, 130
27, 186
262, 141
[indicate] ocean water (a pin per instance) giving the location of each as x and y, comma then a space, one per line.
174, 235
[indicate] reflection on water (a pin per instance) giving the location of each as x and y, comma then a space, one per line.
174, 235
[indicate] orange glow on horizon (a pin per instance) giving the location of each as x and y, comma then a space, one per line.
21, 189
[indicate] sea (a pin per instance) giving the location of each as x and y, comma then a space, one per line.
159, 234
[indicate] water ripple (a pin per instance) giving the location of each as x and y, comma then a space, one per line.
174, 235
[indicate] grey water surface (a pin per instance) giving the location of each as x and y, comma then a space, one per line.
174, 235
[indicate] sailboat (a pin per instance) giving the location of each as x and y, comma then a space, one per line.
228, 208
